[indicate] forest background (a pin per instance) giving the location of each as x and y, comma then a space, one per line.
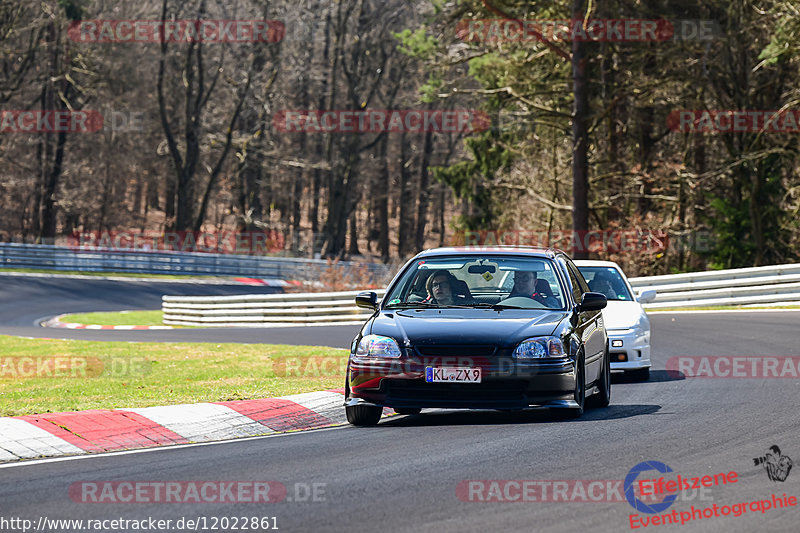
581, 133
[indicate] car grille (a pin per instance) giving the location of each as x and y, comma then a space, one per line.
489, 394
464, 350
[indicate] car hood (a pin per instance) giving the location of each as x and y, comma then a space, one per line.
622, 315
465, 326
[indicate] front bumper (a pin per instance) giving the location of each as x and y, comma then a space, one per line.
506, 383
635, 349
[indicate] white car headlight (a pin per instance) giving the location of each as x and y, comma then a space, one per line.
539, 348
378, 346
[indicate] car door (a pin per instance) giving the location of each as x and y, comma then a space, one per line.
590, 324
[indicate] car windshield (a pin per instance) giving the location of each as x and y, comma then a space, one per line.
498, 282
608, 281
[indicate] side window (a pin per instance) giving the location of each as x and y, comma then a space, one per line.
577, 273
577, 282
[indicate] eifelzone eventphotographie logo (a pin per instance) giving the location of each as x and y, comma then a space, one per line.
776, 464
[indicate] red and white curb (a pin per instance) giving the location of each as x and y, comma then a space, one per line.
105, 430
57, 323
268, 282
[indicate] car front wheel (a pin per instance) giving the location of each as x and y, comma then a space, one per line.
580, 392
603, 396
363, 415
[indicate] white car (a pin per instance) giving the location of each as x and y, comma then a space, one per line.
626, 322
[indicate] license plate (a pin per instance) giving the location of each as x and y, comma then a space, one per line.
452, 375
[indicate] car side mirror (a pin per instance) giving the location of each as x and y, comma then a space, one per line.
367, 300
647, 296
593, 301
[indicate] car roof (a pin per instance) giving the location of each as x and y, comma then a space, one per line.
494, 250
593, 263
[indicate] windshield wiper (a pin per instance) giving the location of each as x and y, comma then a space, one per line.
496, 307
411, 305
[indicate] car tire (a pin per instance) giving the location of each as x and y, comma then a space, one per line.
641, 374
407, 410
363, 415
580, 393
603, 396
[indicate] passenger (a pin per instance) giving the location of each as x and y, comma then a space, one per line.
544, 294
418, 292
443, 289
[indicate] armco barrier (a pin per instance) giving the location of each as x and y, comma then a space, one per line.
256, 310
744, 286
13, 255
761, 285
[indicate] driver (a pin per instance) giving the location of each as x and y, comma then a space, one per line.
602, 283
525, 286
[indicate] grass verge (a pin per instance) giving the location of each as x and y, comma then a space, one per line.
123, 318
41, 375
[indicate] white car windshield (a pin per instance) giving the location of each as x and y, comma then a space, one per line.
608, 281
479, 281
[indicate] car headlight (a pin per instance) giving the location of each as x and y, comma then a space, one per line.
539, 348
378, 346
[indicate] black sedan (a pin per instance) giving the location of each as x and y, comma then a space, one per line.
479, 328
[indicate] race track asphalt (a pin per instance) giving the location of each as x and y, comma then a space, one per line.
27, 301
403, 474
